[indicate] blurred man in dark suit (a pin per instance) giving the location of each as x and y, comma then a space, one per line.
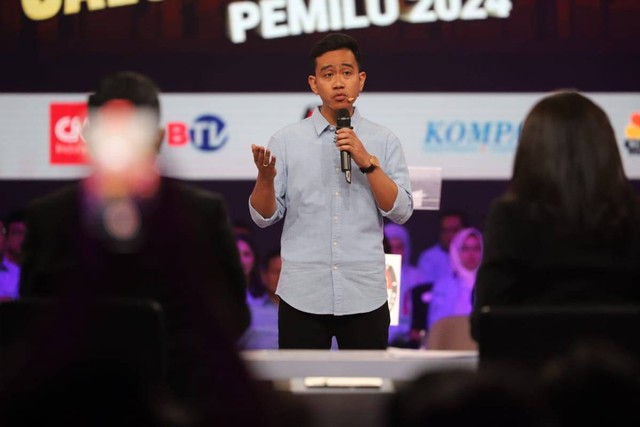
126, 231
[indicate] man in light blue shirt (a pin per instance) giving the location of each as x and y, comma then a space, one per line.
333, 273
434, 262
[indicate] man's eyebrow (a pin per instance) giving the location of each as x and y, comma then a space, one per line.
345, 64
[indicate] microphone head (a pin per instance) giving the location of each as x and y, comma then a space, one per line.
343, 118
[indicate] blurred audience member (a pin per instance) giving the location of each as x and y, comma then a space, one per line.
567, 232
126, 231
251, 267
452, 294
16, 227
263, 332
90, 395
453, 397
271, 274
434, 262
399, 243
241, 228
12, 231
3, 232
593, 384
9, 279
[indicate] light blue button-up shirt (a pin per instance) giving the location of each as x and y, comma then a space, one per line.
331, 246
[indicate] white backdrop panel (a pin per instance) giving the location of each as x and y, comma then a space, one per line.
471, 136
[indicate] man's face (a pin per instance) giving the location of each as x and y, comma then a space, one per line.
122, 137
396, 246
337, 78
449, 226
123, 142
14, 239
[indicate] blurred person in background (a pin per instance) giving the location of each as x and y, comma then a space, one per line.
8, 283
251, 267
16, 227
567, 232
12, 231
433, 264
434, 261
399, 243
263, 331
126, 231
457, 397
452, 294
593, 383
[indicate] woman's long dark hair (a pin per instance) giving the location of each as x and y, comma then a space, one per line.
568, 168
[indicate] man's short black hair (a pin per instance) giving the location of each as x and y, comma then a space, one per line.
454, 212
134, 87
16, 215
274, 253
335, 41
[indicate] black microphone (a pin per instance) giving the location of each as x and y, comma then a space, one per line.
343, 120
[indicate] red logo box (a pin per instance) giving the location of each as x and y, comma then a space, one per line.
65, 133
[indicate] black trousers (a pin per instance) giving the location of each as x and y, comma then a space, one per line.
363, 331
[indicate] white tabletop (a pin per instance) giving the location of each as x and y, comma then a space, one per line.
393, 363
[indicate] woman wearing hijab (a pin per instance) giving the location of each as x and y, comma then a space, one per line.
452, 294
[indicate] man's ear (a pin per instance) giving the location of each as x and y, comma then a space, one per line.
86, 135
363, 78
160, 138
85, 131
312, 84
264, 276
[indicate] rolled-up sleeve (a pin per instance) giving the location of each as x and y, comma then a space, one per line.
263, 222
396, 168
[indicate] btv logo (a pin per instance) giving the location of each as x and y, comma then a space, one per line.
207, 133
66, 146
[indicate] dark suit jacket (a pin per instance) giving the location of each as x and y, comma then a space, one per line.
525, 262
185, 258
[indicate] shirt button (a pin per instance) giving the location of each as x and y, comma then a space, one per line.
335, 243
337, 194
335, 267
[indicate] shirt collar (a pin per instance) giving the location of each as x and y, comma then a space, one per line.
321, 124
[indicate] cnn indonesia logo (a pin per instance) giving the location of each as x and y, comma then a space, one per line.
67, 146
207, 133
